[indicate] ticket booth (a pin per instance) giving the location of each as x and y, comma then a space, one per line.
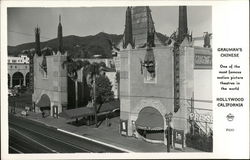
124, 127
55, 111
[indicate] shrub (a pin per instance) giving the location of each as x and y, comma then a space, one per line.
201, 142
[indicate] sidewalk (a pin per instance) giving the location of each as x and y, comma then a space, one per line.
107, 134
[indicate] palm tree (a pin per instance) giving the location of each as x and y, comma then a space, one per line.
90, 72
72, 68
93, 70
85, 72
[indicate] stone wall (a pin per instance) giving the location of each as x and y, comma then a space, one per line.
54, 84
136, 93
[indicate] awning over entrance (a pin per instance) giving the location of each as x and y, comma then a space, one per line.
109, 107
87, 111
150, 118
44, 102
77, 112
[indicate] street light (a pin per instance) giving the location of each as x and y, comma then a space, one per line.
168, 118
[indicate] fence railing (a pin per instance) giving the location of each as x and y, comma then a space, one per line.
20, 105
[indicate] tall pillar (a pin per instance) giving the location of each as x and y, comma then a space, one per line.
182, 29
37, 37
59, 36
128, 35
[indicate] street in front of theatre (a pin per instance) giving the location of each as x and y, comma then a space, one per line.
106, 135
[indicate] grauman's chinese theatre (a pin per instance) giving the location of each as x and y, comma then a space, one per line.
157, 77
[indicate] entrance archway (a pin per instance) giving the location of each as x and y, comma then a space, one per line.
44, 102
150, 125
27, 79
17, 79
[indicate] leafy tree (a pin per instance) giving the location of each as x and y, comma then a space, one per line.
104, 91
84, 53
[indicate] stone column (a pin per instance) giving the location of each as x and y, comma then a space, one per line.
24, 80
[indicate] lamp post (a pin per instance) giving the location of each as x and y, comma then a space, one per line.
168, 118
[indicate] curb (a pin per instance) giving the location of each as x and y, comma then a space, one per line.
96, 141
80, 136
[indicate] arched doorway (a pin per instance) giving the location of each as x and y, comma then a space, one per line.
9, 79
27, 79
150, 125
17, 79
44, 102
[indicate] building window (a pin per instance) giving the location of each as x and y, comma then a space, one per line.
10, 66
44, 68
15, 66
150, 77
150, 66
45, 75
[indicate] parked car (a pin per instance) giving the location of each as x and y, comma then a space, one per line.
12, 92
24, 113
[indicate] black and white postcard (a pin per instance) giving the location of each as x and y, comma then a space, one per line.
125, 79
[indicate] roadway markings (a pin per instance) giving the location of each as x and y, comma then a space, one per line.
83, 137
33, 140
16, 150
96, 141
82, 149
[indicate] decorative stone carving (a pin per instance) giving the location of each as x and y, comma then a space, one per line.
150, 103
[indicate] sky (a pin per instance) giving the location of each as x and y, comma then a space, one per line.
86, 21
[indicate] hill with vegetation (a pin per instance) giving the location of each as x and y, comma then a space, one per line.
79, 47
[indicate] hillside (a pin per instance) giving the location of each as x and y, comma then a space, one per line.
76, 46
